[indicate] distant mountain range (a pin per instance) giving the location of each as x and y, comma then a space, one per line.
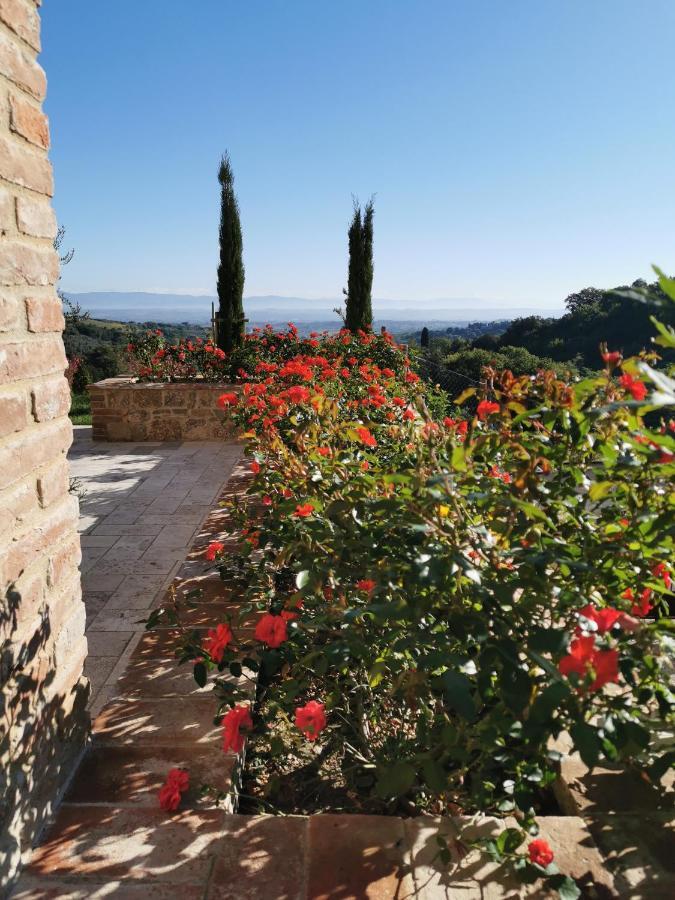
194, 309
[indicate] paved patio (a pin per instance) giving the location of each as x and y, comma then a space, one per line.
141, 506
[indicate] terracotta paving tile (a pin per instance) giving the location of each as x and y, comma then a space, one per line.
162, 643
104, 842
159, 678
103, 643
357, 858
175, 721
207, 615
576, 853
126, 776
433, 879
261, 858
49, 889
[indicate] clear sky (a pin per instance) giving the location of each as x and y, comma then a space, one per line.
518, 150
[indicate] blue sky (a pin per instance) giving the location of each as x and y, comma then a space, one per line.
518, 150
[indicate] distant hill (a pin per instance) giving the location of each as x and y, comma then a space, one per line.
397, 315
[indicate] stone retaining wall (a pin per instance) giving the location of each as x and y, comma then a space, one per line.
43, 719
125, 410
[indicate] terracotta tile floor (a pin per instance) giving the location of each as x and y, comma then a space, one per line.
141, 509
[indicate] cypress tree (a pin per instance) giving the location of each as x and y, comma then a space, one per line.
424, 338
359, 308
230, 318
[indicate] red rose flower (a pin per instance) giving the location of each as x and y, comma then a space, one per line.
226, 400
638, 389
235, 721
271, 630
177, 781
302, 510
612, 357
311, 719
214, 548
584, 658
540, 853
366, 584
660, 570
323, 451
298, 394
604, 618
366, 437
408, 415
255, 467
486, 408
217, 640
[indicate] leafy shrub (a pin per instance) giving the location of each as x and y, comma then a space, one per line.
442, 599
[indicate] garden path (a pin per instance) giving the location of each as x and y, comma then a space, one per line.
141, 505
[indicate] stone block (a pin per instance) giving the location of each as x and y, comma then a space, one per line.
20, 68
51, 399
28, 121
44, 314
23, 19
32, 359
27, 169
11, 314
13, 411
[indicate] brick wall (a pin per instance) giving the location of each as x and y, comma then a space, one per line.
42, 646
123, 410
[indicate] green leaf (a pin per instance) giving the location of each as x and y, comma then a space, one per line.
395, 780
567, 888
509, 840
459, 458
458, 696
434, 775
199, 672
587, 742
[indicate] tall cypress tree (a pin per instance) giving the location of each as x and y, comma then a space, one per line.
230, 317
424, 338
359, 307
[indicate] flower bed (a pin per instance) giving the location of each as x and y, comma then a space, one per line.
441, 597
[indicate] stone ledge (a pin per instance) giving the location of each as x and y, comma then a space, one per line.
124, 409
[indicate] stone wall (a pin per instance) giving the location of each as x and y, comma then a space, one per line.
125, 410
43, 722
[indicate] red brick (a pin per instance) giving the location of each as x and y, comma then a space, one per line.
51, 399
44, 314
35, 217
29, 122
23, 19
14, 411
38, 446
25, 264
18, 66
30, 359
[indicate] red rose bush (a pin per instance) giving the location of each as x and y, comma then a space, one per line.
462, 590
